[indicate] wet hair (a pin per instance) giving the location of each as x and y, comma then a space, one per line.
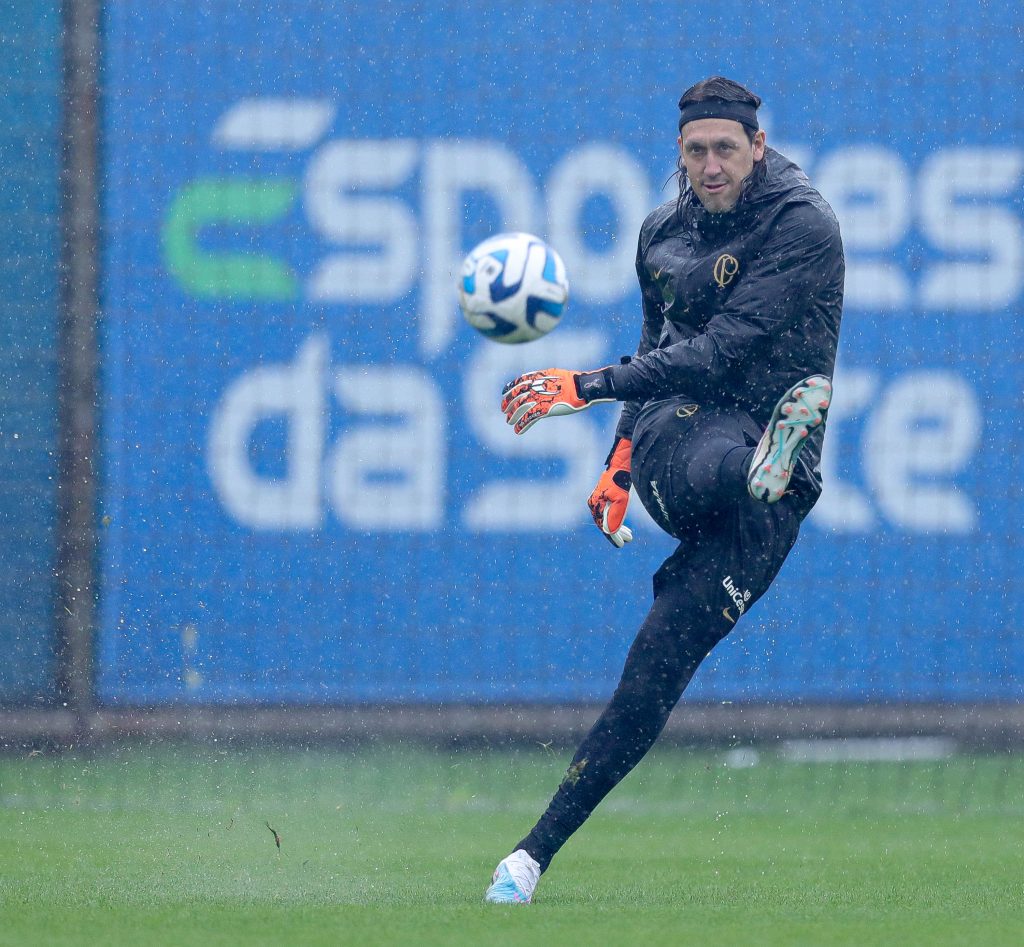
716, 89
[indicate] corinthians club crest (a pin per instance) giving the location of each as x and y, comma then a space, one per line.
726, 267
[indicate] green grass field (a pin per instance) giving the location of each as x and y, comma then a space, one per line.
395, 846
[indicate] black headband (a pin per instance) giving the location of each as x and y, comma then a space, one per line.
740, 112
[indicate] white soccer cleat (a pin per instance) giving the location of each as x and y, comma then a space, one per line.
514, 880
800, 411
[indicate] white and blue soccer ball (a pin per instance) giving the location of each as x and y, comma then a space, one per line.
513, 288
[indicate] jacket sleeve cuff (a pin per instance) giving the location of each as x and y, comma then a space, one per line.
622, 381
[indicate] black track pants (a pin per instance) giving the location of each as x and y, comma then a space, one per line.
731, 548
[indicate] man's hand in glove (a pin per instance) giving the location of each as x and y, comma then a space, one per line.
611, 496
551, 393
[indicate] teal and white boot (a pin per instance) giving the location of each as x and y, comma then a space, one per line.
800, 411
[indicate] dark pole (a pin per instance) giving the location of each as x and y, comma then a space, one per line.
76, 528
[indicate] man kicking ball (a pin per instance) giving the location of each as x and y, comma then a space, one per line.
725, 401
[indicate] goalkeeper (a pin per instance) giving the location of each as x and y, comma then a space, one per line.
741, 280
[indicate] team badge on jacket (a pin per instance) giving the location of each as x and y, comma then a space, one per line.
726, 267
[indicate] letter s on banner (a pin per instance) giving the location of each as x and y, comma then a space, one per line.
531, 505
385, 223
954, 223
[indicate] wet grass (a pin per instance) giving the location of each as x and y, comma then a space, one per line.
395, 846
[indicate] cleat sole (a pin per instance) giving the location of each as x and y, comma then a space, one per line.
803, 408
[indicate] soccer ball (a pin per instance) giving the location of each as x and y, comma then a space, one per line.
513, 288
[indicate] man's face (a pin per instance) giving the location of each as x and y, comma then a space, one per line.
718, 156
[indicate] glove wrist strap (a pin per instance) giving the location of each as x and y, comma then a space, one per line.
595, 386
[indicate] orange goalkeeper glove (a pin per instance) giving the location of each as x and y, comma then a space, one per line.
550, 393
610, 498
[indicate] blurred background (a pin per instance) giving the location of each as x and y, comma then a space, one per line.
255, 478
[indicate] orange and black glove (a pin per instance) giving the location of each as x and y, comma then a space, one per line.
610, 498
550, 393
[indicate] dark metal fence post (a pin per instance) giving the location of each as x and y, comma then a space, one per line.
78, 356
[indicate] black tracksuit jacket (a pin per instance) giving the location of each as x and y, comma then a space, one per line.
737, 307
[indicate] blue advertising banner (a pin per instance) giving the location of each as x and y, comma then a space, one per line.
309, 492
30, 66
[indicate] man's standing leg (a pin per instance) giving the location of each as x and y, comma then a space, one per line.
673, 640
692, 612
677, 634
